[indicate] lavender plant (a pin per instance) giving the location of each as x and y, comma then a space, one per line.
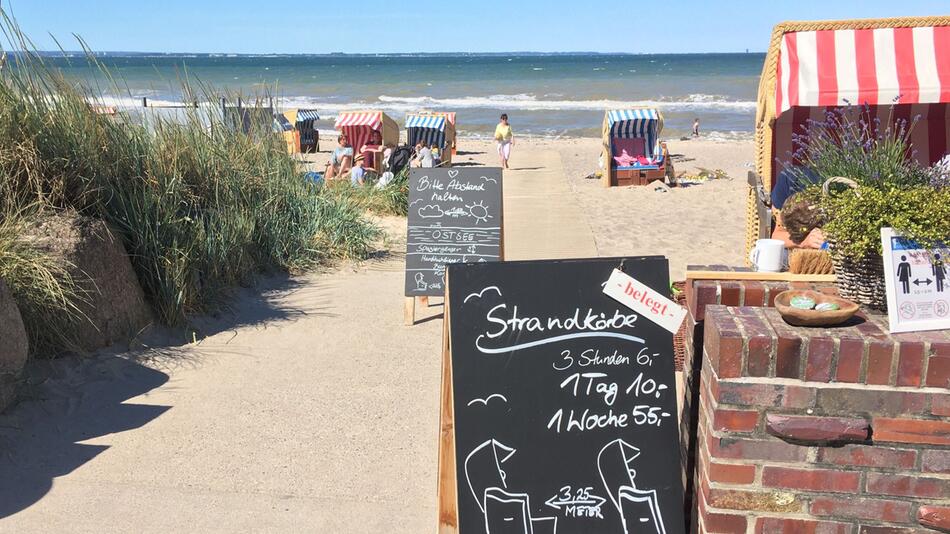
850, 142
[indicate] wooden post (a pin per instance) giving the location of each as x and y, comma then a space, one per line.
448, 485
409, 311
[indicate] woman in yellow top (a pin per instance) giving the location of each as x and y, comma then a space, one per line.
504, 139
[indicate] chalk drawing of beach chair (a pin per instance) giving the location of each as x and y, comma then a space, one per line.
505, 512
639, 509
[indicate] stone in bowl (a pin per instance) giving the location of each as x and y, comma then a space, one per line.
798, 317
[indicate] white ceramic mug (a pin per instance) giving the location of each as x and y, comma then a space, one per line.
769, 255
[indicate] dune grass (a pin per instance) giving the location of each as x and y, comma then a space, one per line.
43, 288
200, 206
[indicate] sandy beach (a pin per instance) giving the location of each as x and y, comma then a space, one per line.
699, 224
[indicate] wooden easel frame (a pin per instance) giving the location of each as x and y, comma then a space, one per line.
409, 310
448, 483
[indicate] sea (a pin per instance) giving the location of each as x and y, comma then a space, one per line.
545, 95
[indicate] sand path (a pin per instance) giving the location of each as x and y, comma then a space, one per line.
310, 408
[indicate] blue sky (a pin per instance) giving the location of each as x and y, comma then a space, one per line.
367, 26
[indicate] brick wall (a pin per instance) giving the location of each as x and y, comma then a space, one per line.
842, 430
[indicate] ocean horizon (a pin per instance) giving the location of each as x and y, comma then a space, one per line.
545, 94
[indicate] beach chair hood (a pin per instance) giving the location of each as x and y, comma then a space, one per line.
360, 125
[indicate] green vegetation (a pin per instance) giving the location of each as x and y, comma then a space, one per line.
199, 206
44, 291
893, 190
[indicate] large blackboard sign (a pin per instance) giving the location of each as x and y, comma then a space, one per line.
455, 216
564, 401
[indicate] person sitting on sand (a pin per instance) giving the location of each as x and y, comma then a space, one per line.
340, 160
436, 155
424, 157
369, 150
504, 138
358, 173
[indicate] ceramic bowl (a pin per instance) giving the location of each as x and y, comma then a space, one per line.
799, 317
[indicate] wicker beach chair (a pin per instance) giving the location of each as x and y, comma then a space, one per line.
359, 127
894, 66
635, 133
432, 129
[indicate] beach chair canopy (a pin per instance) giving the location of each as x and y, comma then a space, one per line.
304, 115
281, 124
360, 125
429, 128
645, 123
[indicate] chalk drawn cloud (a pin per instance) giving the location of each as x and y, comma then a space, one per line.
431, 211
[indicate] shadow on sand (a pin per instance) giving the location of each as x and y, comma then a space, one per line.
64, 402
70, 400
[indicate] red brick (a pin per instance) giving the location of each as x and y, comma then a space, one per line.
731, 473
880, 360
872, 529
868, 456
850, 356
766, 395
788, 357
911, 431
754, 294
938, 371
862, 508
910, 366
723, 345
776, 525
735, 420
759, 356
700, 293
820, 354
941, 405
730, 293
888, 402
747, 449
934, 461
724, 523
934, 517
827, 480
908, 486
817, 430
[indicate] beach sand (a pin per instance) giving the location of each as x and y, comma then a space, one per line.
699, 224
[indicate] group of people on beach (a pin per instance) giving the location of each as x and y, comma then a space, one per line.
344, 161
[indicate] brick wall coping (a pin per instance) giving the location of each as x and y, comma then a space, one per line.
757, 342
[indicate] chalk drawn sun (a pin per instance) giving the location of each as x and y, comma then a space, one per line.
479, 211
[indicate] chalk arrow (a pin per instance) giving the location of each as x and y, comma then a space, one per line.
592, 500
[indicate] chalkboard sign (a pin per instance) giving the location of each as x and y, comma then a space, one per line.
455, 216
564, 401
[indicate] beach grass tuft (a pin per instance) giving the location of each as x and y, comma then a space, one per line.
201, 206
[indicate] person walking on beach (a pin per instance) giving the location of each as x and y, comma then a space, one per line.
505, 139
696, 127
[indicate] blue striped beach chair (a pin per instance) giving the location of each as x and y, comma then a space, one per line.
432, 129
621, 127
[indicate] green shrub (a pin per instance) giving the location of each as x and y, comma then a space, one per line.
856, 217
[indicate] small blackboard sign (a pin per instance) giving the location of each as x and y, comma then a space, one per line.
455, 216
564, 401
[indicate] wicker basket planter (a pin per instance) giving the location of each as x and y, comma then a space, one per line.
858, 279
861, 280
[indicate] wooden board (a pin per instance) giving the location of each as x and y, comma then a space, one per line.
760, 276
519, 426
